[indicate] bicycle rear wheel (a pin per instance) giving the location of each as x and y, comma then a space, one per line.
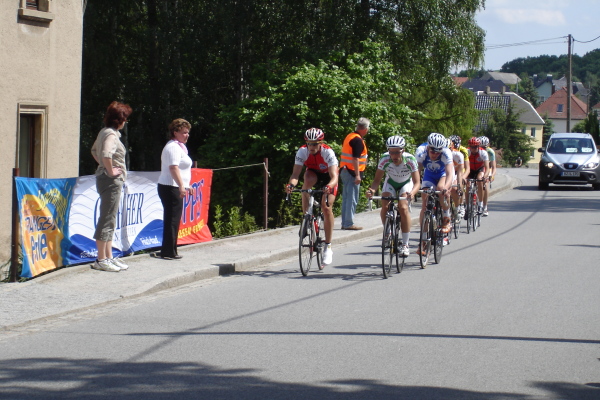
425, 240
307, 244
387, 248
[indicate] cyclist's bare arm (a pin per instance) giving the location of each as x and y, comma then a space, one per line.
416, 180
375, 184
333, 174
294, 178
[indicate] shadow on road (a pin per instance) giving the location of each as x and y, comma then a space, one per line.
60, 378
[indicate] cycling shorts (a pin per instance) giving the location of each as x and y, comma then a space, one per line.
473, 174
323, 180
392, 186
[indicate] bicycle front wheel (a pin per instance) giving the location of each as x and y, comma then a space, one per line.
425, 240
474, 211
399, 260
307, 244
319, 240
456, 221
387, 248
438, 245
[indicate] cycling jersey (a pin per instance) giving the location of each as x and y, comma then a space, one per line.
464, 151
458, 159
433, 169
319, 162
398, 176
491, 154
477, 159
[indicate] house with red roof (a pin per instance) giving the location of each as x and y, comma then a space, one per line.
555, 109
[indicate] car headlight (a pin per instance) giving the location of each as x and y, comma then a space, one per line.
549, 165
590, 165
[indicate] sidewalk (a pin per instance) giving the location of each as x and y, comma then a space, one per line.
80, 287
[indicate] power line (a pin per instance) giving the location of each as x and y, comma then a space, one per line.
587, 41
542, 41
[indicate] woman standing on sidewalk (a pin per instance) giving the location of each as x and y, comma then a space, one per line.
174, 185
109, 153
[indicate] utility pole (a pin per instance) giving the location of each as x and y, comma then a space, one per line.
569, 85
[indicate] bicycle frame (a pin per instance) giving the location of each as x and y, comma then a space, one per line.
431, 231
311, 232
392, 239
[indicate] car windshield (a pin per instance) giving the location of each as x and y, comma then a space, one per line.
570, 146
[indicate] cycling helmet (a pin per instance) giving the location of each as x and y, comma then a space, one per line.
474, 141
395, 142
485, 142
314, 135
436, 141
456, 140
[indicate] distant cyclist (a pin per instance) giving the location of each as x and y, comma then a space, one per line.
485, 143
436, 160
322, 172
480, 167
461, 170
402, 176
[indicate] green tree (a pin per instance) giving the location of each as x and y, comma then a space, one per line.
330, 96
528, 91
589, 125
548, 130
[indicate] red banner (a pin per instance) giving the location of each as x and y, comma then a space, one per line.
193, 228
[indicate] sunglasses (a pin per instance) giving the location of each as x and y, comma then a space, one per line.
400, 151
434, 150
312, 144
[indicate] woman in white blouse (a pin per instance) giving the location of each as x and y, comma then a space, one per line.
174, 185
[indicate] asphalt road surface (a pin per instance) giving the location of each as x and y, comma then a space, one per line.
511, 312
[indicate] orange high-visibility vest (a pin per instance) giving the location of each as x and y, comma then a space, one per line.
346, 159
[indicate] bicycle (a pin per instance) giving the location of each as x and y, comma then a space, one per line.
472, 214
392, 239
312, 241
431, 229
456, 219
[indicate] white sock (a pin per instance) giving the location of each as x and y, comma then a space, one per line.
405, 237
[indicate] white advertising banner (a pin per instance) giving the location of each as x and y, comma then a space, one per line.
139, 219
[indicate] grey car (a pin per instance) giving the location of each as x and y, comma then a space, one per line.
570, 159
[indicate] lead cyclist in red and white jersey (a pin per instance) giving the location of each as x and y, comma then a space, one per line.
321, 171
480, 167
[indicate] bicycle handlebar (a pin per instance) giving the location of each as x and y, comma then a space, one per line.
388, 198
312, 192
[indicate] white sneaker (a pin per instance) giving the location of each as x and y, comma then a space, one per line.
105, 265
404, 251
446, 241
327, 255
461, 212
120, 264
485, 212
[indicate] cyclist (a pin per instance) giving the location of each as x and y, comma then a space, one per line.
321, 171
402, 176
480, 167
436, 160
461, 169
485, 143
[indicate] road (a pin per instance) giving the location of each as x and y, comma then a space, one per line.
510, 313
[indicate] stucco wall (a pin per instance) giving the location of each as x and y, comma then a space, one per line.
40, 64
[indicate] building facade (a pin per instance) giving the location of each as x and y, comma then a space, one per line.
41, 48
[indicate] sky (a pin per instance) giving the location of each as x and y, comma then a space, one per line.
518, 21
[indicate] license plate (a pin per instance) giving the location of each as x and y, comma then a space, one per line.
569, 173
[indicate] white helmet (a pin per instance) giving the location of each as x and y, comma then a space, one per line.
395, 142
436, 141
485, 142
314, 134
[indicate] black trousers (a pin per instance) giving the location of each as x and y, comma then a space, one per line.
172, 209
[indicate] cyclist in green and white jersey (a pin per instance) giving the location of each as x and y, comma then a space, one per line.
485, 143
402, 175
